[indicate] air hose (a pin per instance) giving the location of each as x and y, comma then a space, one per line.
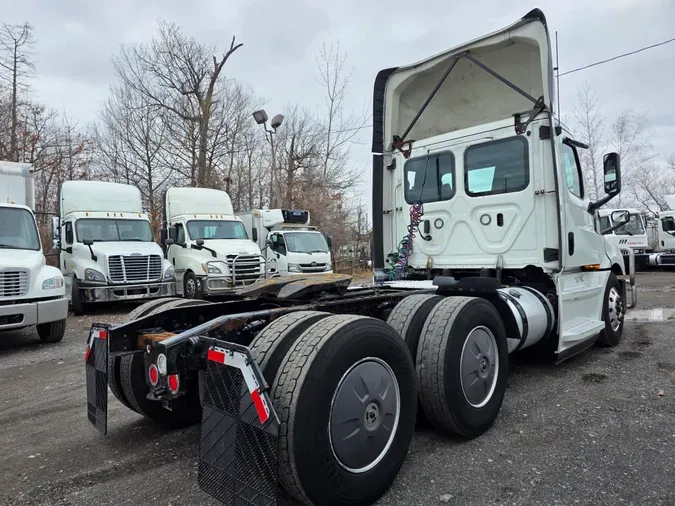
405, 247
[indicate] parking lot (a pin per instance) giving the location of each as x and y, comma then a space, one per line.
597, 429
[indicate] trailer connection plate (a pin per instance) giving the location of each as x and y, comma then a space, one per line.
96, 364
238, 453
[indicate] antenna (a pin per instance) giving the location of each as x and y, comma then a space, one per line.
557, 74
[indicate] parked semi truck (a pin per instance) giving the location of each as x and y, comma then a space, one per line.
479, 206
108, 250
291, 245
207, 244
31, 292
664, 253
632, 235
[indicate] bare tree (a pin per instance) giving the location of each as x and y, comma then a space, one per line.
176, 73
590, 121
16, 43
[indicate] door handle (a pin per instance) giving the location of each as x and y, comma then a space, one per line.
570, 243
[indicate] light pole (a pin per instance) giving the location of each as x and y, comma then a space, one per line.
260, 118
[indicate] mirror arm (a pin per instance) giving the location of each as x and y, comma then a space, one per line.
592, 206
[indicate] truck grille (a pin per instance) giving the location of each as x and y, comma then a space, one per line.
317, 267
13, 283
245, 269
131, 268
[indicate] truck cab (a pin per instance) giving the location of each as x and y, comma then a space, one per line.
290, 244
208, 246
664, 254
474, 177
108, 250
31, 292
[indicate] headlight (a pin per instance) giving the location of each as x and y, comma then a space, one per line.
93, 275
52, 283
212, 269
294, 268
169, 273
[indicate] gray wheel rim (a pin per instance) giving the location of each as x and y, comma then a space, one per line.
364, 415
190, 288
615, 309
479, 366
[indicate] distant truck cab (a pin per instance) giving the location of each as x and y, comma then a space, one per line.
291, 245
108, 251
207, 244
664, 254
31, 292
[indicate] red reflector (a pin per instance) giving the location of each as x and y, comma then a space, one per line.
153, 373
173, 383
216, 356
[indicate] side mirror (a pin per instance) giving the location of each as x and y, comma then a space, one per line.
56, 232
254, 234
162, 236
200, 242
269, 243
172, 233
329, 240
88, 242
168, 242
611, 166
619, 219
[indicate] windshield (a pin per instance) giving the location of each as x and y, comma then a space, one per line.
107, 230
17, 230
216, 229
306, 242
633, 227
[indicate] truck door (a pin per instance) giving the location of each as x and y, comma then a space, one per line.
66, 259
177, 254
580, 292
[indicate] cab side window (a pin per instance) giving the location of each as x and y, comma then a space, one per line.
278, 244
180, 234
572, 170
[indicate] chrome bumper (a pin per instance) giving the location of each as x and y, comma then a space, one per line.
108, 293
219, 285
16, 316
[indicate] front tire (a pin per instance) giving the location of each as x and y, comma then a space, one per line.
347, 381
51, 332
76, 301
462, 366
190, 286
613, 312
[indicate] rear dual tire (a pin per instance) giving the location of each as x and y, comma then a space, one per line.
340, 366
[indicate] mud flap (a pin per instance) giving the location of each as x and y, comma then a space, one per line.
239, 435
96, 360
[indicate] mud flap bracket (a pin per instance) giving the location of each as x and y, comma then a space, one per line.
238, 453
96, 364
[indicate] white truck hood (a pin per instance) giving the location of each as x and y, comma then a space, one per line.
226, 247
470, 95
21, 259
125, 248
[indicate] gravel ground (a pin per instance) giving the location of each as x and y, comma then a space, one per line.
598, 429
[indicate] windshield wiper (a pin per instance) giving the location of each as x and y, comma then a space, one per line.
8, 246
134, 240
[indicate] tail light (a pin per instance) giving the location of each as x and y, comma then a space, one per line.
153, 374
174, 383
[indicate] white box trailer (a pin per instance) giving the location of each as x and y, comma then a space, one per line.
107, 248
31, 292
290, 244
207, 244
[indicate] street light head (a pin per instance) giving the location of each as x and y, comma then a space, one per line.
277, 121
260, 117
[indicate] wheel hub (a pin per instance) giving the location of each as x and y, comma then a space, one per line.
479, 366
364, 415
615, 308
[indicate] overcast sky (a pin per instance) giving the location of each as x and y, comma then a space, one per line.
76, 39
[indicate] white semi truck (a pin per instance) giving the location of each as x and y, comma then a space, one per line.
664, 254
290, 244
108, 251
31, 292
480, 207
631, 235
207, 244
